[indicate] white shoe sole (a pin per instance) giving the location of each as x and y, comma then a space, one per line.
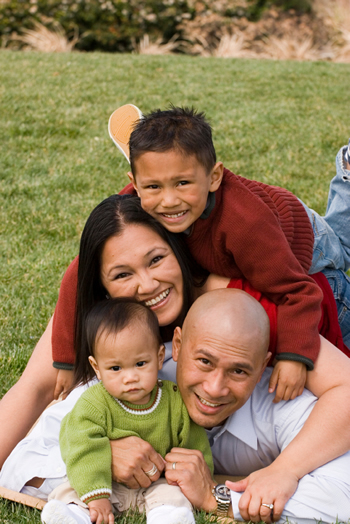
55, 512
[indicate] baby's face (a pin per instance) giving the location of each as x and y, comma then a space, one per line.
173, 188
128, 363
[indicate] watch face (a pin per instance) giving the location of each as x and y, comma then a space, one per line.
223, 492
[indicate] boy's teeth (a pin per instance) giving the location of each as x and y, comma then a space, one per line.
174, 215
206, 403
160, 297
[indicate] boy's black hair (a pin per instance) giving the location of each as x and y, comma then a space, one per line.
111, 316
182, 129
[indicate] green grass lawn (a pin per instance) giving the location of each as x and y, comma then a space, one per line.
279, 122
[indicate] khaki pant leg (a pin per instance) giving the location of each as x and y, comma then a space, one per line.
123, 498
160, 493
66, 494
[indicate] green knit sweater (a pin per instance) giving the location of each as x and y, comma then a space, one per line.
98, 418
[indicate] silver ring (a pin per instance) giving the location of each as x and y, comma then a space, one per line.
270, 506
174, 465
152, 471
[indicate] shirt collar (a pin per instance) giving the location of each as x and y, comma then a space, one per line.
240, 424
209, 206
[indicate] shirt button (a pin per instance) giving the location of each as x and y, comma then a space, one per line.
58, 470
175, 388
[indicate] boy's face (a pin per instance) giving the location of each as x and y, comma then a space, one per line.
173, 187
128, 363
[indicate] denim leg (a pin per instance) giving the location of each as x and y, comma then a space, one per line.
340, 284
332, 232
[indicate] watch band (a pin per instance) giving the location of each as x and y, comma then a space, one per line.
223, 500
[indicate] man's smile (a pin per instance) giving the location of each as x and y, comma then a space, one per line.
207, 403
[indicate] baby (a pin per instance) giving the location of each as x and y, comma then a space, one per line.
126, 353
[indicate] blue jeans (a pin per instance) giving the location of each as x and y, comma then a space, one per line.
332, 242
340, 284
332, 232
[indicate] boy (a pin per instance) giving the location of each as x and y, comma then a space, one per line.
126, 353
237, 227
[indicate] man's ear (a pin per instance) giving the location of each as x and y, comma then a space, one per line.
177, 341
133, 181
161, 356
216, 175
95, 367
266, 361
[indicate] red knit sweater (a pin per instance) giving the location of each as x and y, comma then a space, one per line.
63, 321
255, 231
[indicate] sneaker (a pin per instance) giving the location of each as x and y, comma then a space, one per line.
121, 124
56, 512
347, 154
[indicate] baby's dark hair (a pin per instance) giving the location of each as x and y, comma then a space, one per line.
111, 316
182, 129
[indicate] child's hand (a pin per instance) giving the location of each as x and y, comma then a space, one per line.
101, 511
289, 377
63, 383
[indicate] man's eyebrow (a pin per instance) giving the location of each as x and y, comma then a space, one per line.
235, 365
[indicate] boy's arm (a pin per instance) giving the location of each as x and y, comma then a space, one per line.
63, 328
288, 379
63, 382
261, 251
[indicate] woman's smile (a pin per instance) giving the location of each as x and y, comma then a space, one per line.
138, 263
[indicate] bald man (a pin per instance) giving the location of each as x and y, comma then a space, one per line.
221, 355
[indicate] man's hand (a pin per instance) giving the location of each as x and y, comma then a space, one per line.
192, 475
131, 458
289, 377
64, 381
101, 511
269, 486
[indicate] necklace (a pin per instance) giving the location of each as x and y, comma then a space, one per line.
142, 411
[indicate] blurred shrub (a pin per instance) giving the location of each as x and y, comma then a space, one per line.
256, 7
117, 25
108, 25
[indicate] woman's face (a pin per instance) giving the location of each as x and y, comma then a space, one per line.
138, 263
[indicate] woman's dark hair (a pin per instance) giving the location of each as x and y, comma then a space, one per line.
109, 219
111, 316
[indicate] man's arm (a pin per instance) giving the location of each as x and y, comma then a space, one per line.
327, 430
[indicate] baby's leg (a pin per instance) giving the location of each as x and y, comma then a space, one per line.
167, 514
166, 504
65, 507
332, 232
57, 512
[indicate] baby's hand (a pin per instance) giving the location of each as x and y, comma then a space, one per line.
101, 511
64, 381
289, 377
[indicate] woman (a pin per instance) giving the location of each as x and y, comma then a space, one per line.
136, 257
103, 241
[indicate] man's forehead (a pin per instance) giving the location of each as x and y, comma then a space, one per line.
220, 350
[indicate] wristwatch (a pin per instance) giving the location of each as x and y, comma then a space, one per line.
223, 498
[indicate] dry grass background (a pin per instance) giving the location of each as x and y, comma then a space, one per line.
322, 35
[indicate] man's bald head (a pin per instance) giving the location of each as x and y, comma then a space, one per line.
221, 353
232, 312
